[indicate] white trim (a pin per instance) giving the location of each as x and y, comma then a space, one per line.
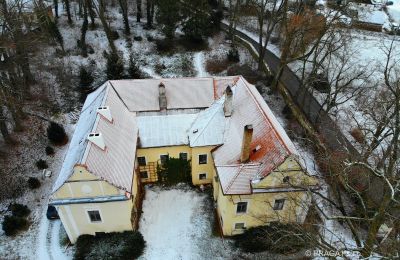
205, 178
93, 208
241, 229
198, 158
72, 220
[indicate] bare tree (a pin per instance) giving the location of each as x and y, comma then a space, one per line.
84, 28
150, 12
68, 10
100, 10
139, 10
124, 8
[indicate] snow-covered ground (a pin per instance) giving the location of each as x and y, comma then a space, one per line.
177, 223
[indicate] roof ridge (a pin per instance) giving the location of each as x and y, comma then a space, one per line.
209, 120
277, 134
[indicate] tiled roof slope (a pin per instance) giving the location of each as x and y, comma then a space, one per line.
142, 95
116, 163
79, 141
249, 108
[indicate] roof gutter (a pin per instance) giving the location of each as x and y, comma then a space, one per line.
100, 199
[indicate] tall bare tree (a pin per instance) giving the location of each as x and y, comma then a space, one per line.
124, 8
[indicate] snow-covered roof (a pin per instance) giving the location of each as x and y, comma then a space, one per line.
78, 142
270, 145
164, 130
236, 179
209, 126
142, 95
369, 13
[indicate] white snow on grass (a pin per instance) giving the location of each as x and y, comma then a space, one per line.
199, 64
177, 224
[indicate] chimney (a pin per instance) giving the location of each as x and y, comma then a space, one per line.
162, 98
105, 112
97, 139
228, 101
247, 136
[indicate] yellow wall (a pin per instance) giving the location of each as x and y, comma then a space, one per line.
260, 205
153, 156
83, 184
115, 217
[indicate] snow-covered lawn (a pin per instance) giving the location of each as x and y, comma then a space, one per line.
177, 223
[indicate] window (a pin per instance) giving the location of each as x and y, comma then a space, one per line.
164, 158
94, 215
202, 176
286, 179
183, 156
279, 204
239, 226
144, 175
202, 158
241, 207
142, 161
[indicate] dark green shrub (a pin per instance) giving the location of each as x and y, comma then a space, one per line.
33, 183
276, 238
19, 210
42, 164
49, 150
56, 134
85, 79
115, 66
233, 55
138, 38
12, 224
134, 71
150, 38
125, 245
174, 171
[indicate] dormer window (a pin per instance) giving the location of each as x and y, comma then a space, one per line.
105, 112
97, 139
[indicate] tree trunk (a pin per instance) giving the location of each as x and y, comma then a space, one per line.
84, 28
124, 8
139, 10
106, 27
150, 12
91, 14
3, 127
55, 7
68, 9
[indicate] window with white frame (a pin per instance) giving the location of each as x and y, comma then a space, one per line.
94, 215
241, 207
202, 176
240, 226
141, 160
202, 158
183, 156
279, 204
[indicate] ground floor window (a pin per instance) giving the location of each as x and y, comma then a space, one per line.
279, 204
144, 175
202, 158
94, 215
202, 176
240, 226
164, 158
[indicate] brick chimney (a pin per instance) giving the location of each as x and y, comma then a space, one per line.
247, 136
162, 98
228, 106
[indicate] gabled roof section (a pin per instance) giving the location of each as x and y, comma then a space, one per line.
167, 130
209, 126
236, 179
183, 93
115, 164
79, 141
270, 145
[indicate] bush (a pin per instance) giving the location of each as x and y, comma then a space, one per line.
150, 38
138, 38
276, 238
49, 150
126, 245
233, 55
33, 183
12, 224
115, 66
42, 164
133, 69
164, 45
85, 79
19, 210
56, 134
174, 171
